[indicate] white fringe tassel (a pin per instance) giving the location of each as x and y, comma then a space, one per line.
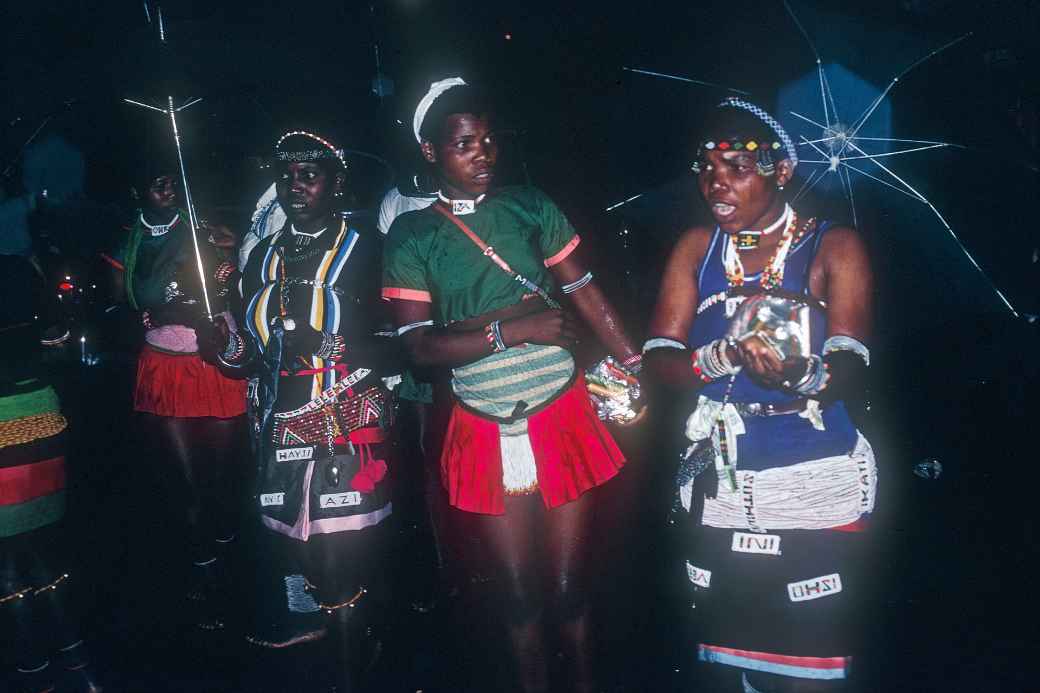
519, 473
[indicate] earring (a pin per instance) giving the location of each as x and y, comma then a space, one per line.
779, 187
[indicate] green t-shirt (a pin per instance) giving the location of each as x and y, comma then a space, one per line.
427, 258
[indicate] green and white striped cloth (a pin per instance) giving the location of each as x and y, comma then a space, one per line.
532, 373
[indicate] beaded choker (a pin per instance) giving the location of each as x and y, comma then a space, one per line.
302, 237
461, 207
749, 239
773, 273
160, 229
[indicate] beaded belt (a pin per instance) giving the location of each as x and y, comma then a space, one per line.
317, 423
815, 494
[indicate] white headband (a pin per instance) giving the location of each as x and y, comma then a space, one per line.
436, 89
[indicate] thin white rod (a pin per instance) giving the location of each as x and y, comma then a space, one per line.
623, 202
882, 181
162, 27
901, 151
888, 171
192, 220
843, 173
808, 184
685, 79
892, 139
817, 141
805, 34
809, 120
190, 102
144, 105
820, 151
823, 94
971, 258
877, 102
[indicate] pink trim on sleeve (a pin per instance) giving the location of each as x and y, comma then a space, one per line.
390, 292
564, 252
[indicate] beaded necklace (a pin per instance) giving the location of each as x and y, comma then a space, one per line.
303, 238
773, 274
160, 229
749, 240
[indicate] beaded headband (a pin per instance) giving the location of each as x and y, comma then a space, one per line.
328, 150
436, 89
766, 164
761, 114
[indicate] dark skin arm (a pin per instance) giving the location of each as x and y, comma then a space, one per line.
428, 346
674, 313
840, 275
594, 308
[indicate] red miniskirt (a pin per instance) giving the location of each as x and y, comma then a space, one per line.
573, 452
184, 385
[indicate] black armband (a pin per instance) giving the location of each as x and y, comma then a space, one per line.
848, 376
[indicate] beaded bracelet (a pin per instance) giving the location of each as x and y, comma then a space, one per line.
633, 363
235, 348
815, 379
339, 348
325, 348
223, 273
146, 320
493, 335
711, 361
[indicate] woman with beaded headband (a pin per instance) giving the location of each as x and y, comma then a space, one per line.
469, 281
190, 413
320, 411
776, 483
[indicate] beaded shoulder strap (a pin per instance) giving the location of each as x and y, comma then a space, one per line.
490, 253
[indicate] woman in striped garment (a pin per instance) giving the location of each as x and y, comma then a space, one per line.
469, 280
320, 411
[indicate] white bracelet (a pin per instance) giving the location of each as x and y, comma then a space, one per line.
577, 284
840, 342
661, 343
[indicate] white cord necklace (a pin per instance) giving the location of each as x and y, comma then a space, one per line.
748, 239
460, 207
292, 228
160, 229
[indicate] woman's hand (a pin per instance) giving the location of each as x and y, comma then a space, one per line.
759, 360
212, 337
554, 327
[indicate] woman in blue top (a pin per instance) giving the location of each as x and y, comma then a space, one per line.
777, 481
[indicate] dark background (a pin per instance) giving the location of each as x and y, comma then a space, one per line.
955, 373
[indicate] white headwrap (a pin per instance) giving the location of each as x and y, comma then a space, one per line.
436, 89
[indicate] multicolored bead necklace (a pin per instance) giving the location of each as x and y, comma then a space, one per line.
773, 273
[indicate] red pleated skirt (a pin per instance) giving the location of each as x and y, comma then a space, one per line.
183, 385
573, 452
